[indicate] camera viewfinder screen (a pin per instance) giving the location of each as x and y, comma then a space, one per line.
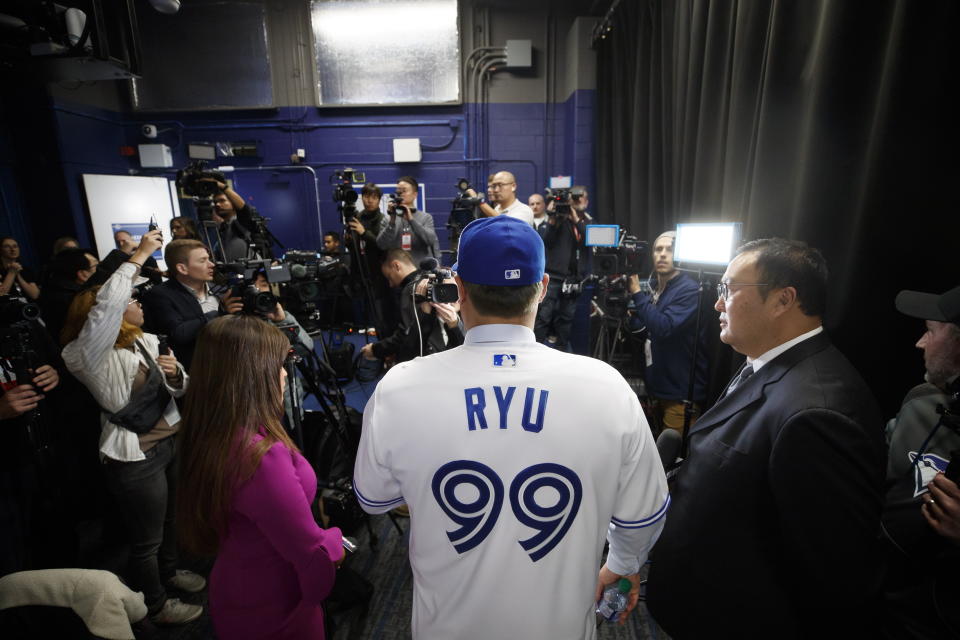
602, 235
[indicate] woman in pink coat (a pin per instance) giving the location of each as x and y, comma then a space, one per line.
247, 491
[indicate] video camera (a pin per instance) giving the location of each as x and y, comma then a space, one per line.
629, 256
562, 201
13, 310
241, 276
199, 182
437, 289
343, 192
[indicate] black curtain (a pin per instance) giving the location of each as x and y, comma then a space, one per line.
824, 121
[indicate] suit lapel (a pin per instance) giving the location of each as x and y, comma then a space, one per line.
752, 389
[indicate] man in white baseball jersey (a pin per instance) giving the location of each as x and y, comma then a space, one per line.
515, 459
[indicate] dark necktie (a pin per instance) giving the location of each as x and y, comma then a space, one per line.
745, 373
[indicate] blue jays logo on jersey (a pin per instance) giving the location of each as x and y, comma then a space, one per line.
925, 469
505, 360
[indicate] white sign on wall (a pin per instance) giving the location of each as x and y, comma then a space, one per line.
127, 203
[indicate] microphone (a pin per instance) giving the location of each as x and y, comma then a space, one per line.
668, 446
429, 264
298, 271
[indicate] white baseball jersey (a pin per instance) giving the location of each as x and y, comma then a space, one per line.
517, 210
514, 460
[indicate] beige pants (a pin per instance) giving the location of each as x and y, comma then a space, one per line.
670, 413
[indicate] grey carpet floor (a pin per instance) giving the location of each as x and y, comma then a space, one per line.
388, 616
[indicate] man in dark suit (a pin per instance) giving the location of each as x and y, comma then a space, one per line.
773, 530
180, 307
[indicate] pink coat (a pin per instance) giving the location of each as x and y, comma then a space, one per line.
275, 565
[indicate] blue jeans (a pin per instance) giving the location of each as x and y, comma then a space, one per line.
145, 492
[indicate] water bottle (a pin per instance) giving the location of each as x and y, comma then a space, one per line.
614, 600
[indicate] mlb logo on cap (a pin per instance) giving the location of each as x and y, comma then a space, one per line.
500, 251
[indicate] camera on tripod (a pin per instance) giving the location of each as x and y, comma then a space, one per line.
200, 184
437, 290
343, 192
629, 256
241, 276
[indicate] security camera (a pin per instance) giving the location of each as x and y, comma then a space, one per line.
149, 130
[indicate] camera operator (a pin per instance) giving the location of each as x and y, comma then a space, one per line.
24, 460
15, 279
669, 312
181, 306
563, 237
503, 189
228, 211
439, 323
921, 515
407, 228
361, 240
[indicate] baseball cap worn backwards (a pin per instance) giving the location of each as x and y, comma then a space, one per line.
500, 251
930, 306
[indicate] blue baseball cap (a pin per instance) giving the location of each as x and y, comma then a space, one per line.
500, 251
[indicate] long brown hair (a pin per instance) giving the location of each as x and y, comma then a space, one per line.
77, 317
234, 391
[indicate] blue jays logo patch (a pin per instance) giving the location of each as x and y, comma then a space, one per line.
505, 360
925, 469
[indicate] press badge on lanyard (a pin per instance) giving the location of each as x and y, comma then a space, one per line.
405, 241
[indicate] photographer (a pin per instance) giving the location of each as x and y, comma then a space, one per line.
135, 386
425, 327
503, 191
668, 310
30, 512
563, 237
407, 228
181, 306
15, 279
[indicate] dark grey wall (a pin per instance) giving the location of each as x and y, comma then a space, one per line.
563, 60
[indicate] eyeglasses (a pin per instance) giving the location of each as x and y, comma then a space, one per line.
499, 185
723, 288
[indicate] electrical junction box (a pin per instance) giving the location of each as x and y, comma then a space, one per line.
406, 150
155, 155
519, 54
